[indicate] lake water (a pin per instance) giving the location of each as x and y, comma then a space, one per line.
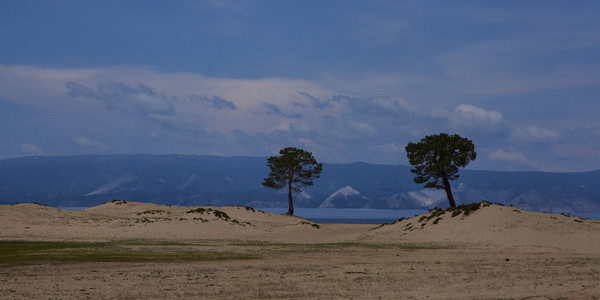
350, 216
357, 216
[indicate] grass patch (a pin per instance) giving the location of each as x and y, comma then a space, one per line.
23, 253
400, 220
153, 211
217, 213
311, 224
465, 209
200, 210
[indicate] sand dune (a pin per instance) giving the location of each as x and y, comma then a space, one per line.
491, 225
498, 227
122, 220
494, 252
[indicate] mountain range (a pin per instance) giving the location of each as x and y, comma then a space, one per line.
211, 180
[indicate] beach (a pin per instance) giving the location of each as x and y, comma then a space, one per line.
133, 250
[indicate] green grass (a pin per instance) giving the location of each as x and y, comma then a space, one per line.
22, 253
16, 253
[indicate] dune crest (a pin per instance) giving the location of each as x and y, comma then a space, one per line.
496, 226
487, 226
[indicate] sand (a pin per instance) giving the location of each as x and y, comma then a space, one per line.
493, 253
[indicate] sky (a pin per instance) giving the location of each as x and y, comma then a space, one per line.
346, 80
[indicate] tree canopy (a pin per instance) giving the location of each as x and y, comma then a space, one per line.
436, 159
294, 168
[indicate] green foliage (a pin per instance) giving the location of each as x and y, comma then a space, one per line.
294, 168
439, 156
221, 215
294, 165
200, 210
400, 220
217, 213
436, 159
467, 209
436, 213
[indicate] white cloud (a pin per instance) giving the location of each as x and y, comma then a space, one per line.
90, 143
534, 134
31, 149
509, 156
470, 119
133, 100
131, 109
471, 113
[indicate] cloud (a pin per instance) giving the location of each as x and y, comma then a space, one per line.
138, 100
377, 107
347, 129
184, 127
215, 102
470, 119
316, 102
509, 156
31, 149
90, 143
274, 109
534, 134
267, 114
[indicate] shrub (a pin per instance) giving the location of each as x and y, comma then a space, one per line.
221, 215
197, 210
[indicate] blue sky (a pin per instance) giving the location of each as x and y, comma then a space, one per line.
347, 80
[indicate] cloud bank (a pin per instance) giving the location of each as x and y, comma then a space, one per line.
139, 111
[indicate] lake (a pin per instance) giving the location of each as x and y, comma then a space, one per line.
367, 216
350, 216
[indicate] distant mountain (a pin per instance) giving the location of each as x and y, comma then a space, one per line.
346, 197
211, 180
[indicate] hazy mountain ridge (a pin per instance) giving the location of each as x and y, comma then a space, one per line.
212, 180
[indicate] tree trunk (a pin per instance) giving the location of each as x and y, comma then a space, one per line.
449, 192
290, 204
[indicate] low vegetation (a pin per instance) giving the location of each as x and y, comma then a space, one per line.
16, 253
437, 213
311, 224
217, 213
24, 252
153, 212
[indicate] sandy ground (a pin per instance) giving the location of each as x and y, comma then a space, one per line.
493, 253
